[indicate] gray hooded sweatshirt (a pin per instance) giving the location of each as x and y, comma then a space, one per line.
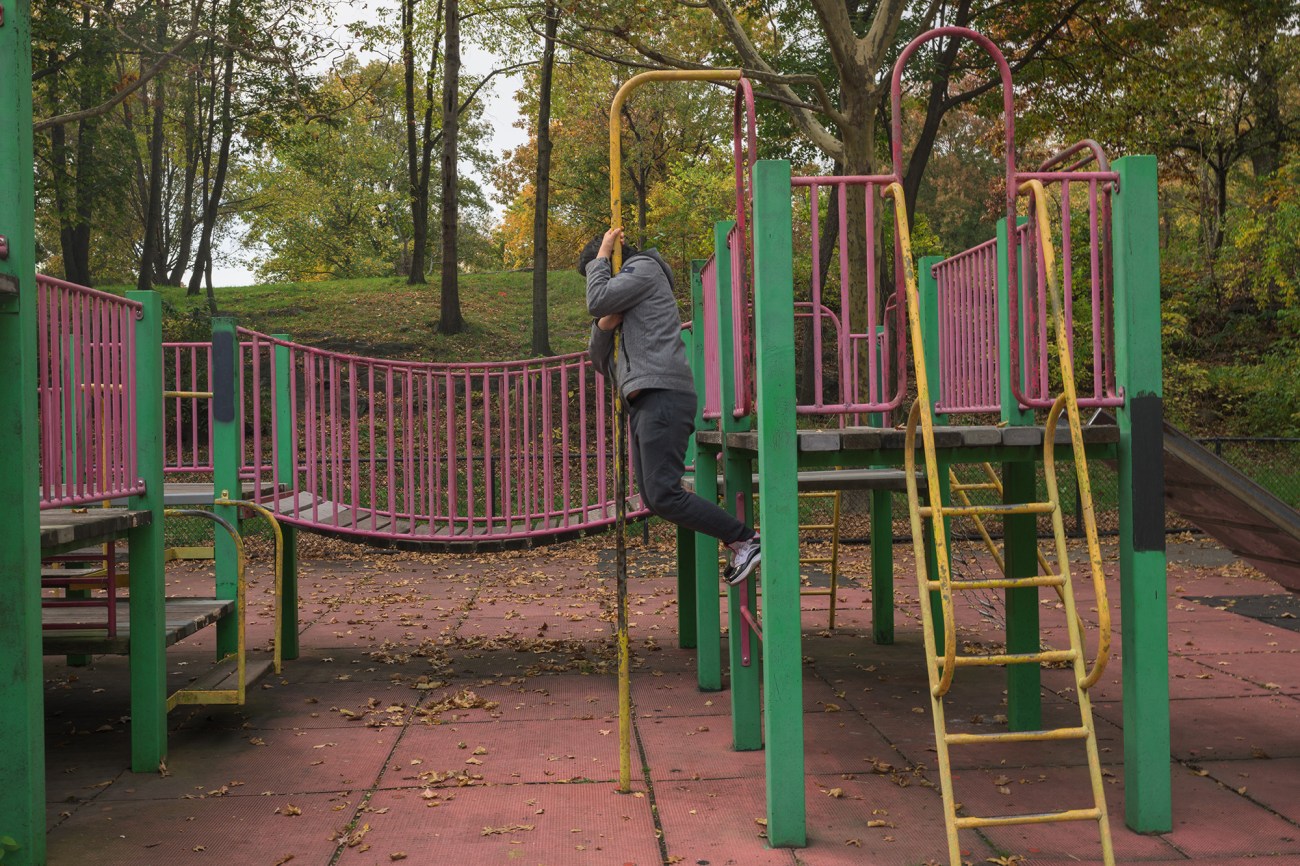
651, 352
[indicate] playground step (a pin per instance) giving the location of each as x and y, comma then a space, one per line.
60, 576
221, 684
970, 822
1044, 657
1001, 582
1037, 736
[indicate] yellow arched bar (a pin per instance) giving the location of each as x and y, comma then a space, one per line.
620, 446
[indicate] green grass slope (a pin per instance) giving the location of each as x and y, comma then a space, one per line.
384, 317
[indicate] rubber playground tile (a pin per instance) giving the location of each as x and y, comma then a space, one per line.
1204, 729
842, 742
183, 832
216, 762
1189, 678
715, 822
1026, 790
555, 628
872, 819
659, 694
504, 752
535, 825
1270, 672
319, 664
1271, 782
1211, 820
300, 706
547, 698
684, 748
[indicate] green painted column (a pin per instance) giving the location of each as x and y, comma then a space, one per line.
225, 463
738, 487
1143, 588
778, 505
22, 700
708, 608
928, 293
882, 537
686, 602
1020, 531
148, 579
286, 452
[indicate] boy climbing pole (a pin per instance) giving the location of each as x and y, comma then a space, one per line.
657, 387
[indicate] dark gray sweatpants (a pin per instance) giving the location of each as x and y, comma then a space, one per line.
661, 422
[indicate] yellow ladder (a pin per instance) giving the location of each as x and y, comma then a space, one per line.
833, 560
941, 668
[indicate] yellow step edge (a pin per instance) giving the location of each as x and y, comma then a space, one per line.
1012, 659
1002, 582
981, 510
1048, 734
1093, 814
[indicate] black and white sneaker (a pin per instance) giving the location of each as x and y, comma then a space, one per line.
744, 559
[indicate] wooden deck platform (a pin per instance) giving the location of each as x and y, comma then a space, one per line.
888, 439
66, 529
185, 616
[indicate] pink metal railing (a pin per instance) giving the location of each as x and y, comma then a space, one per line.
968, 331
86, 394
881, 392
433, 452
187, 420
1030, 307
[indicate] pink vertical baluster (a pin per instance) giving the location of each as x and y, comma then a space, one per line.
565, 491
814, 203
874, 379
453, 468
257, 413
583, 367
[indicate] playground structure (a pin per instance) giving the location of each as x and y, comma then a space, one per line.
461, 457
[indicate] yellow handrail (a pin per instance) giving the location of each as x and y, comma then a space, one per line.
1038, 198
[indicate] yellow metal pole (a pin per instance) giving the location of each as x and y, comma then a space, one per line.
620, 445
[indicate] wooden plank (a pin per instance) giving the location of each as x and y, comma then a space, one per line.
63, 529
224, 676
292, 506
184, 617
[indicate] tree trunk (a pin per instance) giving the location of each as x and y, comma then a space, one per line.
185, 235
419, 207
450, 320
541, 204
211, 209
153, 212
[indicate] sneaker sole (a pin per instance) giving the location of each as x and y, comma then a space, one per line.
745, 572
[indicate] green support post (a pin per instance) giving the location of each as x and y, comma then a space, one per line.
708, 609
1143, 589
148, 581
286, 452
1020, 531
779, 506
882, 535
225, 463
22, 699
738, 482
686, 603
928, 293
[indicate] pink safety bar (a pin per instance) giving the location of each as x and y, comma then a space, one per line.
709, 326
878, 393
744, 152
86, 401
968, 331
187, 421
395, 450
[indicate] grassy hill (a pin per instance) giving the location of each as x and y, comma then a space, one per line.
385, 317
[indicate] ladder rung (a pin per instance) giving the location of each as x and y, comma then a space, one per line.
1017, 736
982, 485
967, 823
816, 560
1014, 658
816, 525
980, 510
1003, 582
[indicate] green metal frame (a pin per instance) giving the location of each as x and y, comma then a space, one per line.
286, 449
22, 701
225, 464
